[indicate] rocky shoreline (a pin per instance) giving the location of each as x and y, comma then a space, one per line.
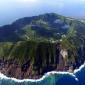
11, 68
36, 69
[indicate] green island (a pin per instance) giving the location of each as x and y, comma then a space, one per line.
32, 46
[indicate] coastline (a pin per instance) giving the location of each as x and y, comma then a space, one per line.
2, 76
16, 71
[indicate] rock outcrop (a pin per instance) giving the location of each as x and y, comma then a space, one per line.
43, 62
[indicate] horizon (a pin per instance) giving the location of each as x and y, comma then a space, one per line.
37, 16
11, 10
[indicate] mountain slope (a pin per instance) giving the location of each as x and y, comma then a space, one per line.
32, 46
47, 26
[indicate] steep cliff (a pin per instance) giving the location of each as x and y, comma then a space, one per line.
32, 46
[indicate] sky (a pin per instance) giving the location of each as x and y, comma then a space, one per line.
10, 10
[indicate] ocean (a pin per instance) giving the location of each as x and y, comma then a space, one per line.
50, 78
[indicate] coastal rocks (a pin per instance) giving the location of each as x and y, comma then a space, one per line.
42, 59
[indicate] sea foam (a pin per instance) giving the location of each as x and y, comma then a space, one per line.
2, 76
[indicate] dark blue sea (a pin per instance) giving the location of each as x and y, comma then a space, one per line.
50, 78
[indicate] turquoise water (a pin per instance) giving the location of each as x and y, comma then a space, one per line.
51, 78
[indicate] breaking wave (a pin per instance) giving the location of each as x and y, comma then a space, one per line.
50, 78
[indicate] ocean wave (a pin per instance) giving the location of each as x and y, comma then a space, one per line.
2, 76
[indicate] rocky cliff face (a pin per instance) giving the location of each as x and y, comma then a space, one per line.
46, 59
32, 46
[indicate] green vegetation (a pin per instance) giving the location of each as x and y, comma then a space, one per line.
23, 51
35, 38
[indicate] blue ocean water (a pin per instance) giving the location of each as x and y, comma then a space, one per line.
51, 78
